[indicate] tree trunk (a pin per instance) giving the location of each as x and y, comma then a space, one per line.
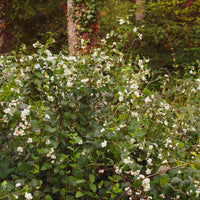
1, 28
91, 33
139, 15
72, 29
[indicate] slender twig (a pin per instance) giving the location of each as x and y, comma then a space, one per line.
115, 143
61, 124
123, 131
172, 49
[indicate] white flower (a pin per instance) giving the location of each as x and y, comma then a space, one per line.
160, 156
140, 36
166, 122
30, 140
134, 114
37, 66
148, 171
53, 157
103, 144
121, 98
28, 196
49, 154
198, 80
127, 160
162, 196
18, 185
140, 146
48, 142
129, 190
150, 147
47, 116
165, 162
69, 84
146, 184
118, 170
20, 149
7, 111
80, 142
135, 173
71, 58
24, 113
101, 171
193, 90
50, 98
135, 29
85, 80
16, 197
120, 93
122, 126
149, 161
137, 93
35, 45
67, 72
147, 100
102, 130
121, 21
134, 86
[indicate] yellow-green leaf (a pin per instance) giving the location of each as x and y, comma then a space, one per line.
164, 179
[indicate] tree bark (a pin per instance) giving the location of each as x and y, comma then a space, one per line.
72, 29
139, 15
91, 37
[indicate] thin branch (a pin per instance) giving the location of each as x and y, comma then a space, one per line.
152, 175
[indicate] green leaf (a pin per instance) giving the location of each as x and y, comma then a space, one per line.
93, 187
100, 184
146, 91
164, 179
80, 181
79, 194
175, 181
122, 116
197, 164
38, 83
109, 97
62, 191
48, 197
91, 178
46, 166
163, 169
184, 185
181, 144
35, 183
22, 166
39, 75
37, 195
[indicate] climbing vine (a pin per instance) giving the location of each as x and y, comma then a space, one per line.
85, 13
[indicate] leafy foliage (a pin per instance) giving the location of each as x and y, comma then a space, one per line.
30, 21
170, 28
96, 127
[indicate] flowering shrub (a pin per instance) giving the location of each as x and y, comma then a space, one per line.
96, 127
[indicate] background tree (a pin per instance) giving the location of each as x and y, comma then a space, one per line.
139, 15
82, 18
29, 21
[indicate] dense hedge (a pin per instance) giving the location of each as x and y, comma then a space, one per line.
90, 127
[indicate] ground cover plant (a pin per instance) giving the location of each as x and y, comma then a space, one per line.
98, 126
